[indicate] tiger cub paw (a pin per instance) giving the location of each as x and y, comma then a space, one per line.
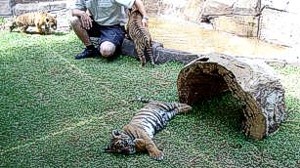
159, 155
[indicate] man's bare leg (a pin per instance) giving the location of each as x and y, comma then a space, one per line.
79, 31
82, 34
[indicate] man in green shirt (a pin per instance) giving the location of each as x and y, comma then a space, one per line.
104, 19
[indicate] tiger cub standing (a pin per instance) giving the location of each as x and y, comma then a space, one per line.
38, 19
140, 36
137, 135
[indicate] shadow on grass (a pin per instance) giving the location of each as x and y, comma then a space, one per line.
36, 33
223, 113
59, 33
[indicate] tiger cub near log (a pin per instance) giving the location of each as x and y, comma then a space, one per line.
38, 19
140, 36
137, 135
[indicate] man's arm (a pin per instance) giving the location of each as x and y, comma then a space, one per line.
139, 4
86, 21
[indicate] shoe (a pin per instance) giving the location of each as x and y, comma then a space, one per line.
87, 53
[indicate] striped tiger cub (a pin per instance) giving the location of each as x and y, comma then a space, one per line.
137, 135
140, 36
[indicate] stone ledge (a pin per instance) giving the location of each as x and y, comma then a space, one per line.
161, 54
19, 9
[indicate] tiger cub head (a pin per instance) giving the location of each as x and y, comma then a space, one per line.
51, 21
132, 10
121, 143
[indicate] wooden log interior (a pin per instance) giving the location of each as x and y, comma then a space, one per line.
250, 81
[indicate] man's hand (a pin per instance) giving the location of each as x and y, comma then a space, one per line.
139, 4
86, 21
145, 21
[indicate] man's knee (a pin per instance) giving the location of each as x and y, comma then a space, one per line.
107, 49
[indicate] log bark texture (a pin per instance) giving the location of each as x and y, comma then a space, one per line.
252, 82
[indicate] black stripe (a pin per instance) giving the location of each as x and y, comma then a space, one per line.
160, 119
153, 115
152, 124
130, 135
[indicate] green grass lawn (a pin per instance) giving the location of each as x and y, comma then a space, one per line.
59, 112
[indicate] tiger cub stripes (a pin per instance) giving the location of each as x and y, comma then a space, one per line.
137, 135
140, 36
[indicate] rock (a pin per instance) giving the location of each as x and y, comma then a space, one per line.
236, 24
19, 9
5, 9
280, 5
160, 54
274, 29
229, 7
236, 17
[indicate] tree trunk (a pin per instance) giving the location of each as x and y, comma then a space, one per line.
252, 82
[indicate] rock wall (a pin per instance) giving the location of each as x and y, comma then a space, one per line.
55, 6
5, 7
269, 20
237, 17
278, 22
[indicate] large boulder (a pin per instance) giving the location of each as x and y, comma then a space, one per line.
278, 22
237, 17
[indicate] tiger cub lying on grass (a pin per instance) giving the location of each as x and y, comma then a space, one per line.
37, 19
140, 36
137, 135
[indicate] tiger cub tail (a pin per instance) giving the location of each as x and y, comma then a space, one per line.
180, 107
183, 108
174, 107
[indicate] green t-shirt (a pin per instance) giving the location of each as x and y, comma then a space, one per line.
105, 12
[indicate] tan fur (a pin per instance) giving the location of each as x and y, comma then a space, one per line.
144, 143
37, 19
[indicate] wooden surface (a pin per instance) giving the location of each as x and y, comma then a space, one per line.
250, 81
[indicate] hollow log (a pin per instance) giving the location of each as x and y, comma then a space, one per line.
250, 81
